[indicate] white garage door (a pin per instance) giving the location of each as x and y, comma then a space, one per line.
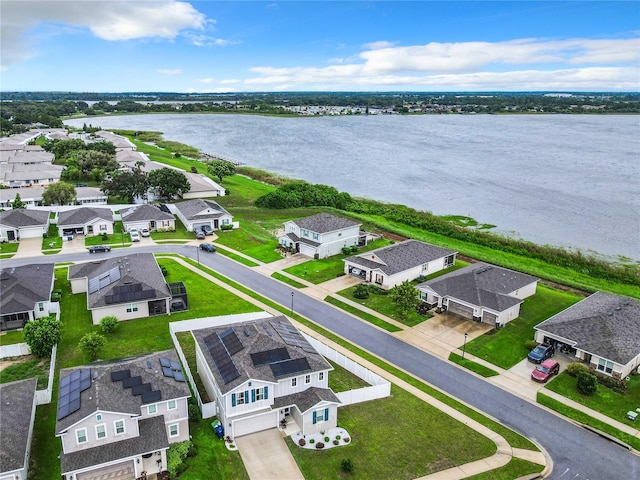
255, 424
30, 232
307, 250
459, 309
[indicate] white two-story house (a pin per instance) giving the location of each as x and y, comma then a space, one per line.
262, 371
117, 419
320, 236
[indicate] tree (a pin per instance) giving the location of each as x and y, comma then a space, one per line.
109, 324
42, 334
405, 296
169, 183
221, 168
88, 160
92, 343
62, 148
59, 193
127, 185
18, 203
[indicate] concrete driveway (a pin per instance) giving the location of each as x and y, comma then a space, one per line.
449, 329
29, 247
266, 457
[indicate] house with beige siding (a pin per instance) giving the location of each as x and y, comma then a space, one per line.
117, 419
90, 221
196, 213
147, 216
23, 223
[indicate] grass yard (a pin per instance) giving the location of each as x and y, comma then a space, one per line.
471, 365
188, 346
180, 233
7, 250
52, 240
9, 338
236, 257
342, 380
399, 437
242, 191
27, 367
252, 240
287, 280
118, 238
605, 400
516, 468
363, 315
505, 347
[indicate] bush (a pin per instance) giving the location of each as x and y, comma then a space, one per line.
164, 270
105, 237
530, 344
347, 439
326, 439
302, 442
176, 456
226, 226
618, 385
361, 292
92, 343
312, 441
346, 250
354, 248
42, 334
194, 170
346, 465
319, 445
109, 324
194, 410
576, 368
587, 383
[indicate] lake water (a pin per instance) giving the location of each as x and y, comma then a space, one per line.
566, 180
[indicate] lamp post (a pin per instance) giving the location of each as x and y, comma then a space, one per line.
198, 255
122, 236
464, 347
291, 303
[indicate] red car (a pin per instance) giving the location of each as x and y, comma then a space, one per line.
545, 371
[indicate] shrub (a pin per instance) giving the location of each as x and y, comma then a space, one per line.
354, 248
618, 385
312, 441
336, 442
337, 437
361, 292
176, 456
194, 170
226, 226
109, 324
42, 334
164, 270
576, 368
587, 383
194, 410
326, 439
302, 442
530, 344
319, 445
346, 250
105, 237
92, 343
346, 465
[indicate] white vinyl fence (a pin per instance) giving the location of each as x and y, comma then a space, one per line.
14, 350
44, 396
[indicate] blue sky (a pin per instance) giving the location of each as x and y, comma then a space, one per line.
245, 46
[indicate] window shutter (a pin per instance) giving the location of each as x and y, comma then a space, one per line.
246, 396
266, 393
326, 414
233, 399
253, 395
314, 417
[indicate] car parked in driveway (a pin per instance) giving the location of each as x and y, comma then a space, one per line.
541, 353
144, 232
207, 229
134, 235
543, 372
99, 248
199, 235
207, 247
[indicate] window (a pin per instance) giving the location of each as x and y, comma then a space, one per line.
171, 405
294, 382
320, 415
340, 234
425, 266
315, 236
225, 221
307, 379
379, 279
103, 227
98, 417
81, 435
118, 426
321, 376
132, 307
174, 431
260, 394
305, 233
101, 431
41, 307
605, 366
151, 409
241, 398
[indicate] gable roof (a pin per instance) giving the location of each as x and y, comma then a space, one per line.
263, 344
481, 284
106, 394
22, 287
143, 213
29, 172
199, 209
83, 215
306, 399
202, 183
399, 257
140, 271
15, 422
21, 217
324, 223
602, 324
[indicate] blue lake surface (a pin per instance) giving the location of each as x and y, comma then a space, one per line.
566, 180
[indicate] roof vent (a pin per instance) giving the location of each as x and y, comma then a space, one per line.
247, 332
618, 308
609, 314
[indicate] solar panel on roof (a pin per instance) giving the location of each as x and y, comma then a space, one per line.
140, 389
288, 367
148, 364
165, 362
179, 377
175, 366
152, 396
64, 381
131, 382
167, 372
292, 336
221, 358
120, 375
269, 356
64, 390
231, 341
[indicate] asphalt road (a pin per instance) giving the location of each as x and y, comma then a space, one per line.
577, 453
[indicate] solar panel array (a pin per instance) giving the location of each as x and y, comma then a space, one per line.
270, 356
104, 280
71, 387
231, 341
171, 369
292, 336
221, 358
136, 385
289, 367
129, 293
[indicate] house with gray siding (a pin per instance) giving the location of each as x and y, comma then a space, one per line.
147, 216
480, 292
196, 213
23, 223
321, 235
117, 419
391, 265
32, 196
603, 331
88, 221
25, 294
18, 400
263, 371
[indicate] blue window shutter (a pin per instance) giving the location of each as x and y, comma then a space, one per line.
253, 395
266, 393
233, 399
314, 417
326, 414
246, 396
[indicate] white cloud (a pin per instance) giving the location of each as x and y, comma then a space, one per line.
205, 80
168, 71
201, 40
378, 45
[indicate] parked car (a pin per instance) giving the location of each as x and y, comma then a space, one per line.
541, 353
545, 371
199, 234
207, 247
144, 232
134, 235
207, 229
99, 248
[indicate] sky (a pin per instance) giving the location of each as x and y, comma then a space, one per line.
266, 46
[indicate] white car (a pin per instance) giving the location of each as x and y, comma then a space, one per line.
144, 232
134, 235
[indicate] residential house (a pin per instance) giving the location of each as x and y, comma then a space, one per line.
147, 216
320, 235
89, 221
391, 265
196, 213
126, 287
262, 371
21, 175
16, 427
480, 292
130, 160
32, 196
25, 294
31, 157
603, 330
117, 419
120, 142
23, 223
202, 187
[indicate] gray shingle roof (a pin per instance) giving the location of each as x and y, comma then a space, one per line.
107, 395
83, 215
24, 218
262, 337
306, 399
136, 268
16, 399
153, 437
399, 257
199, 209
32, 172
602, 324
324, 223
482, 285
144, 213
294, 238
22, 287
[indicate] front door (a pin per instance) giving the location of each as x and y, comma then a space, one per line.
215, 224
11, 235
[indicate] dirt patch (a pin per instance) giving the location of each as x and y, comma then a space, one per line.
5, 362
393, 236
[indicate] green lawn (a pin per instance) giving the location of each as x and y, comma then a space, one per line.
363, 315
505, 347
516, 468
7, 250
242, 191
605, 400
9, 338
180, 232
236, 257
188, 346
27, 367
52, 240
118, 238
342, 380
252, 240
287, 280
398, 437
471, 365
